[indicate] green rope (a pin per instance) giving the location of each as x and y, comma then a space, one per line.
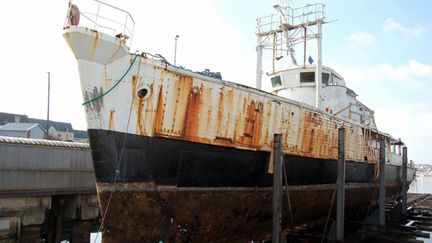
115, 85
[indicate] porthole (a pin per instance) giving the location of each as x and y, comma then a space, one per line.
142, 93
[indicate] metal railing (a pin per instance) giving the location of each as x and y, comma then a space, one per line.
106, 18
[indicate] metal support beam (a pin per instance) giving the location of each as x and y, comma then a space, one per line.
404, 181
381, 201
340, 210
318, 77
277, 187
259, 50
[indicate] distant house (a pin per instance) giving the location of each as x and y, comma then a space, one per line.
12, 118
57, 130
23, 130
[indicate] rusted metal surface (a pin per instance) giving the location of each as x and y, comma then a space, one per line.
148, 213
194, 109
184, 105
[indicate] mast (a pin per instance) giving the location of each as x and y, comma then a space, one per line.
259, 50
287, 28
318, 76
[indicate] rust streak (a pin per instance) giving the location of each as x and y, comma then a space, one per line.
157, 124
140, 116
111, 120
94, 45
191, 121
220, 113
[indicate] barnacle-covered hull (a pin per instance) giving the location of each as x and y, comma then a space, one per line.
185, 157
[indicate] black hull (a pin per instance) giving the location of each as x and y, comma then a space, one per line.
179, 191
187, 164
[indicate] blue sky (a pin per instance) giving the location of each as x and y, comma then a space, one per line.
382, 48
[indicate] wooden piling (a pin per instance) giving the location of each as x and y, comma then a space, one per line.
404, 181
340, 209
277, 187
381, 201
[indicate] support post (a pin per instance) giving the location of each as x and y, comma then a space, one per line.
340, 210
175, 49
259, 50
404, 181
381, 201
277, 187
318, 77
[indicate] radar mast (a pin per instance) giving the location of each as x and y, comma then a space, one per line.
289, 27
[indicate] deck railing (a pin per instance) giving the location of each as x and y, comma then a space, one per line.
291, 16
103, 17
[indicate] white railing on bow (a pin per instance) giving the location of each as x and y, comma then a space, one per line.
104, 17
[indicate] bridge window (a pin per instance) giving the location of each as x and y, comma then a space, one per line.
276, 81
307, 77
336, 80
325, 78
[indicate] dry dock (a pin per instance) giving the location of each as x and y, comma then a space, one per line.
47, 194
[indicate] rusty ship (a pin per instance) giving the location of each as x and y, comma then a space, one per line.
183, 156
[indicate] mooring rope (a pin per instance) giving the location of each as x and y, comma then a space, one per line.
288, 196
117, 171
115, 85
330, 209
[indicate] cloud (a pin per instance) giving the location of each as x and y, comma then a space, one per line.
391, 25
362, 38
401, 96
411, 75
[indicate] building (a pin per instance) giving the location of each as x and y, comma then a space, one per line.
57, 130
12, 118
23, 130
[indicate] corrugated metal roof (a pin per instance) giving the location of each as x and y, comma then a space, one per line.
42, 142
19, 126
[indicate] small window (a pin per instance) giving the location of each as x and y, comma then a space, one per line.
276, 81
337, 80
307, 77
325, 78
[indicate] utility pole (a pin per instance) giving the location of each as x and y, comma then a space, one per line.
48, 108
175, 49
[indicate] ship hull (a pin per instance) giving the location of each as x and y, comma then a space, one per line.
145, 212
179, 191
167, 161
